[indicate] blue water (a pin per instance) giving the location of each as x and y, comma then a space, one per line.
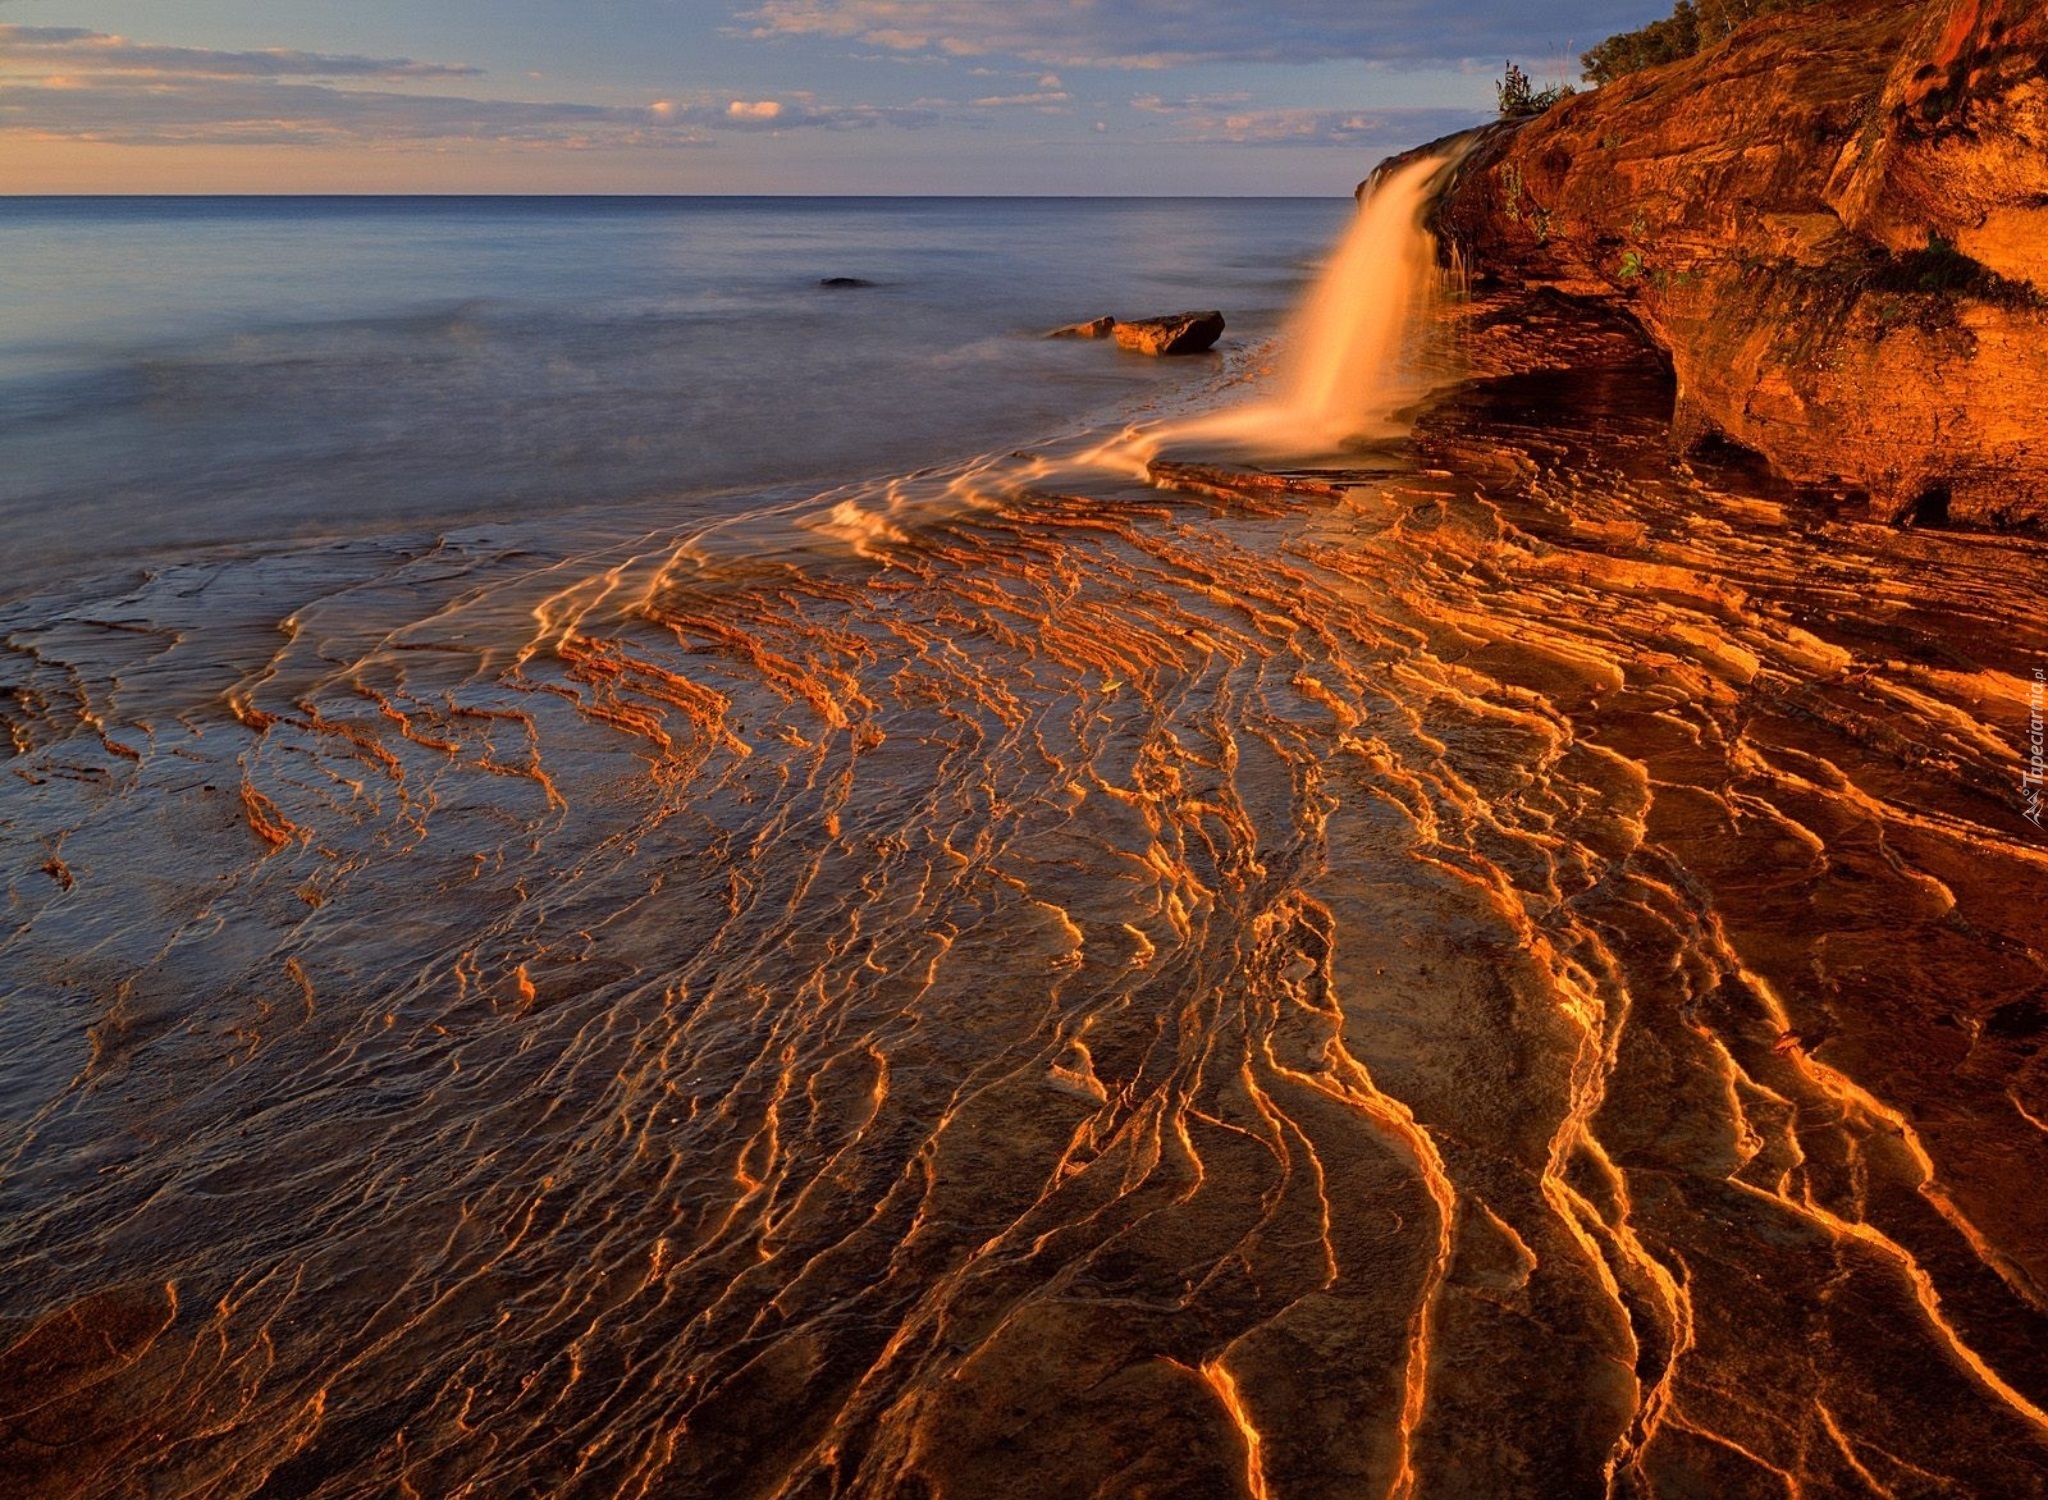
181, 373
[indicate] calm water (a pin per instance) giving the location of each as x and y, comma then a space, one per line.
177, 371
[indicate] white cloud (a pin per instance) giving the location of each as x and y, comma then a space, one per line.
260, 112
1142, 34
1051, 101
1154, 104
1227, 119
70, 49
80, 85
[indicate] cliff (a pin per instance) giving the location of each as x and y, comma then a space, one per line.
1836, 226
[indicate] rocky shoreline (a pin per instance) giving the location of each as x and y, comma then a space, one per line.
1834, 226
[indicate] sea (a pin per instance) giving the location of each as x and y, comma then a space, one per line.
192, 373
627, 874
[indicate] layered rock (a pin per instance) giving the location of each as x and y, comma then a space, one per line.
1834, 225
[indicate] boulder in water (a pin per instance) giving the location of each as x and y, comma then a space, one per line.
1182, 333
1094, 328
842, 283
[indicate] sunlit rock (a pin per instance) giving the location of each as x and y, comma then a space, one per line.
1182, 333
1829, 223
1960, 144
1094, 328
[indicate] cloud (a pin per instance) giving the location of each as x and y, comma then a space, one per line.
1143, 34
1223, 120
800, 111
1054, 102
69, 49
81, 85
1153, 104
260, 112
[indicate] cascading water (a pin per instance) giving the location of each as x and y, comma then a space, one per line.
1358, 352
1355, 359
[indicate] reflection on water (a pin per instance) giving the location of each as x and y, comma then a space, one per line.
1514, 976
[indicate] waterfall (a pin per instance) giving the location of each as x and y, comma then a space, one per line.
1355, 355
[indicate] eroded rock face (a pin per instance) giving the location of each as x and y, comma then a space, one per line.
1793, 217
1182, 333
1959, 144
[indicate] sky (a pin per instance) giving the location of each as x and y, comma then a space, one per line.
1204, 97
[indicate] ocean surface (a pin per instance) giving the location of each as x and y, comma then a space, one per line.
180, 372
625, 876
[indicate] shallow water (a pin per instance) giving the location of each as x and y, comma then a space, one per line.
1510, 970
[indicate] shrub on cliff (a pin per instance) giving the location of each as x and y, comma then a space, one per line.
1519, 97
1691, 26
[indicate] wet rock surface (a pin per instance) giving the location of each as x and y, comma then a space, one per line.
1179, 333
1094, 328
1515, 972
1831, 225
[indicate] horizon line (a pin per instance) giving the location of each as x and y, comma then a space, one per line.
11, 197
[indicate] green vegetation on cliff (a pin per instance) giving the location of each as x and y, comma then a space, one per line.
1520, 98
1691, 26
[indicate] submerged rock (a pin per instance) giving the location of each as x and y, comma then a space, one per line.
1240, 485
1835, 223
1182, 333
1094, 328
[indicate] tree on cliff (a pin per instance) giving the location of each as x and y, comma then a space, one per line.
1691, 26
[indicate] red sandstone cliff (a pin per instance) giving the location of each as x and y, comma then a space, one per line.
1835, 223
